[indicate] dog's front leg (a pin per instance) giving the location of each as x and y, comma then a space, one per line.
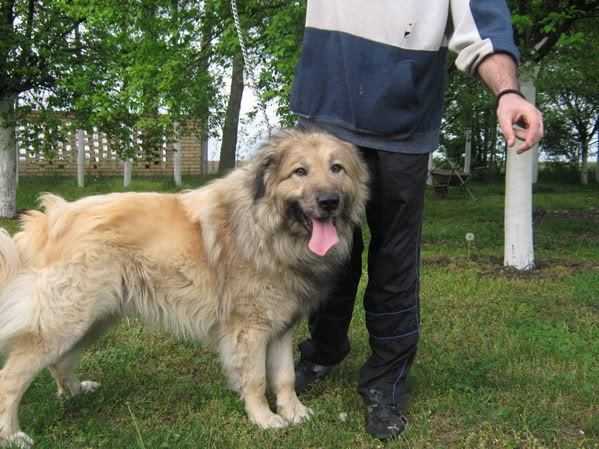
281, 375
244, 357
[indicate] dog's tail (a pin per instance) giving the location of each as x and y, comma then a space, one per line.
17, 303
10, 260
18, 309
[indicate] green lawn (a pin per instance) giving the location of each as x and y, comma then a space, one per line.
507, 360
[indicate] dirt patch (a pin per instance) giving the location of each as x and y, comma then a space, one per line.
493, 266
590, 214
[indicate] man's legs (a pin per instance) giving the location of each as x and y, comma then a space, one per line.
328, 344
394, 216
328, 325
391, 301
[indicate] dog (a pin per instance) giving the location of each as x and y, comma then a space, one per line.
234, 264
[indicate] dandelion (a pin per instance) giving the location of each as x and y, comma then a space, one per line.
469, 242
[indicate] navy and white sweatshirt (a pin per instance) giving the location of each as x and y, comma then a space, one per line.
373, 72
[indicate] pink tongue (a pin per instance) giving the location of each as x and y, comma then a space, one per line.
324, 237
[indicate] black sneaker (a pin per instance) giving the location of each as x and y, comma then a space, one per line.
308, 373
383, 421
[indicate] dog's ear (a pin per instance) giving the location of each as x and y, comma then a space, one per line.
265, 164
260, 177
268, 158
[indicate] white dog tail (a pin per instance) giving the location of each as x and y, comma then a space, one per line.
17, 307
10, 261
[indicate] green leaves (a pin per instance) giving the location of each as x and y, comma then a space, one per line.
112, 64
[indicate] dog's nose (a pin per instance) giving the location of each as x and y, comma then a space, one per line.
328, 201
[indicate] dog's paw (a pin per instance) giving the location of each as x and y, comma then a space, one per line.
19, 440
89, 386
295, 412
270, 421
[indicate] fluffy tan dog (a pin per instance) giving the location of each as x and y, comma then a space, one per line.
235, 264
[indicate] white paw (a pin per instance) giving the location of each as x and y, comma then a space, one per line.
18, 440
295, 412
88, 386
270, 421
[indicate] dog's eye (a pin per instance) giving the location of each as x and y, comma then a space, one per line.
300, 171
336, 168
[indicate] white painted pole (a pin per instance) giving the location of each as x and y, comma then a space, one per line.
468, 152
80, 144
18, 156
8, 163
127, 172
177, 157
518, 249
204, 150
535, 164
429, 178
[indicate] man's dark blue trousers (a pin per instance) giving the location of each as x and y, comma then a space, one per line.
391, 300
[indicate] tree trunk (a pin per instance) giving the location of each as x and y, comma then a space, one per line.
597, 167
177, 158
535, 164
206, 38
518, 245
228, 149
429, 177
584, 162
468, 152
127, 172
204, 169
8, 159
80, 144
18, 156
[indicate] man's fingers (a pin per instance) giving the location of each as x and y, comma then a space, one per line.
520, 132
528, 122
534, 131
508, 132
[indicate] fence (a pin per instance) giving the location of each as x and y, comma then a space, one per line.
101, 160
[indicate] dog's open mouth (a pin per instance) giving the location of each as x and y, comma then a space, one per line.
323, 235
322, 231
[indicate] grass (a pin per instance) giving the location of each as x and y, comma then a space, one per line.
507, 359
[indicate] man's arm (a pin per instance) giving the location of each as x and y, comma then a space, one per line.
498, 72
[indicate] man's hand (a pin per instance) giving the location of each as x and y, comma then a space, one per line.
498, 71
514, 110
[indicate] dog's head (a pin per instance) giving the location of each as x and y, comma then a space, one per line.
317, 182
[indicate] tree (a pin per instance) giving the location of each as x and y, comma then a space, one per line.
228, 151
539, 27
120, 67
36, 43
571, 101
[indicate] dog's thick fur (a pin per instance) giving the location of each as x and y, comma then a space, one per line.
228, 264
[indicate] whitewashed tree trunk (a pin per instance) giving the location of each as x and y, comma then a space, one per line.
535, 164
468, 152
127, 172
429, 178
518, 249
177, 162
204, 152
584, 174
80, 144
17, 157
177, 157
8, 159
584, 163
